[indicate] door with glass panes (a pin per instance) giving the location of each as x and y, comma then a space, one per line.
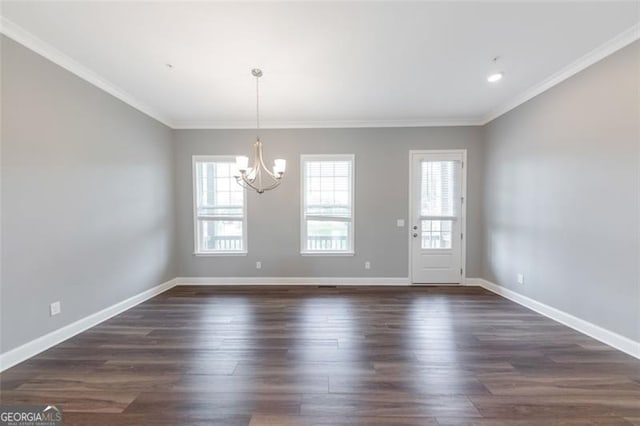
437, 219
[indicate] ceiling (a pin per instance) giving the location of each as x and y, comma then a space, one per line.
326, 64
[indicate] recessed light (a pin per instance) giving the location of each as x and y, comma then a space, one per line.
495, 77
168, 65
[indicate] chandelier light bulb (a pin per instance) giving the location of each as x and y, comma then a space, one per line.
242, 162
251, 173
279, 166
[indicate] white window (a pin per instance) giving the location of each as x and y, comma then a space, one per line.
219, 207
327, 204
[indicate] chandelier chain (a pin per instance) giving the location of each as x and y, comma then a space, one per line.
258, 106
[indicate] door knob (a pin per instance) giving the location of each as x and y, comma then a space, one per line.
415, 235
415, 227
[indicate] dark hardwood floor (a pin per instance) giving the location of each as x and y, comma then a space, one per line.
306, 355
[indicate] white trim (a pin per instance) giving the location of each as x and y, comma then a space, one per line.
611, 338
473, 282
327, 253
463, 213
30, 41
359, 281
329, 124
39, 46
34, 347
618, 42
221, 253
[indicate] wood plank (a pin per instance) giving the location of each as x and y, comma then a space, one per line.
331, 356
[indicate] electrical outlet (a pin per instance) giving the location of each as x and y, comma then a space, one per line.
258, 265
367, 265
55, 308
400, 223
520, 278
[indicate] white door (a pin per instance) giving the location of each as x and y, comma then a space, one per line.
437, 219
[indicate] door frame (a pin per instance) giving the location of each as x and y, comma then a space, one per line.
463, 213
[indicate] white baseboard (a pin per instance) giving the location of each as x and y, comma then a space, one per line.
353, 281
30, 349
361, 281
34, 347
608, 337
473, 282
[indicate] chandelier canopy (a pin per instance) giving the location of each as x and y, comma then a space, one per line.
259, 177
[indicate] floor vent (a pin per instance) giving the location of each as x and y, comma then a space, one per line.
327, 286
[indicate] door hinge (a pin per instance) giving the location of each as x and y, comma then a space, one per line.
460, 271
462, 236
462, 199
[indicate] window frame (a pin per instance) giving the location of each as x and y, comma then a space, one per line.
303, 221
196, 249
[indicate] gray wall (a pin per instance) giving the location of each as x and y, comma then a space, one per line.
381, 192
97, 198
562, 194
87, 188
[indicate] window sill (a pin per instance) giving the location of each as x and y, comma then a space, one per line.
327, 253
230, 253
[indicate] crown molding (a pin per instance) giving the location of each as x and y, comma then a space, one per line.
618, 42
25, 38
330, 124
30, 41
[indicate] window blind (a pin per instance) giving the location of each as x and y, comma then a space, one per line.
219, 207
327, 209
438, 188
328, 188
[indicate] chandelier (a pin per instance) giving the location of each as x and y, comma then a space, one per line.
258, 177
